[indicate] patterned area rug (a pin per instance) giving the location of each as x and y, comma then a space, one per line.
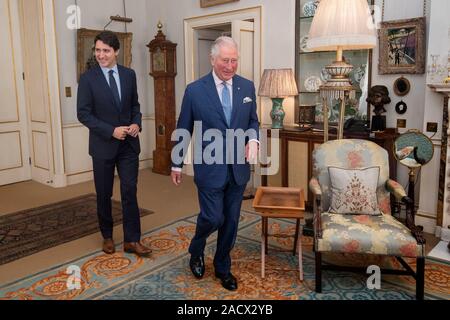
27, 232
166, 275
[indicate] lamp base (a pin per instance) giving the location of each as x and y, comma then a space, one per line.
339, 72
277, 114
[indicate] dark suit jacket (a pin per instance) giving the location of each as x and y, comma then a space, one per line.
202, 103
97, 110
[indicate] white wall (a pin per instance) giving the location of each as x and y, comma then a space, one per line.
396, 10
278, 45
423, 105
95, 15
278, 36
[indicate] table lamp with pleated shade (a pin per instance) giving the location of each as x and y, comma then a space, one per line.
278, 84
342, 25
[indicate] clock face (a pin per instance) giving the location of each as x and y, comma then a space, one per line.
159, 61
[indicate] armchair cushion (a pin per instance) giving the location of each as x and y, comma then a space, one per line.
367, 234
351, 154
354, 191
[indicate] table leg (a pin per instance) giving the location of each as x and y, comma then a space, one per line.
297, 228
263, 248
300, 254
266, 232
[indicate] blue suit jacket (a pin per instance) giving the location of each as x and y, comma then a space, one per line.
202, 103
97, 110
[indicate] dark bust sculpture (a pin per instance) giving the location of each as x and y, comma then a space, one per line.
378, 96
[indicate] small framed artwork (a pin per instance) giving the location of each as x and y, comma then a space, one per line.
402, 46
210, 3
86, 49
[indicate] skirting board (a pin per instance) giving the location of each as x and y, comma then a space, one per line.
427, 221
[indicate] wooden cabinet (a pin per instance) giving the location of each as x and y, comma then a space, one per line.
296, 147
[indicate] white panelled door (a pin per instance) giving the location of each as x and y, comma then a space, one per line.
204, 39
243, 33
37, 90
14, 155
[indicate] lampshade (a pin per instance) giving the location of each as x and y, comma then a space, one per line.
278, 83
345, 24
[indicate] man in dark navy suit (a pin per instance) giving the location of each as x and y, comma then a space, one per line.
220, 103
108, 105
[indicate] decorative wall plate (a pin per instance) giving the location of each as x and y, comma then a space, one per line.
309, 8
304, 44
359, 73
312, 84
324, 75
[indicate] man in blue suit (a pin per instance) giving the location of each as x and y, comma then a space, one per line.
107, 103
220, 102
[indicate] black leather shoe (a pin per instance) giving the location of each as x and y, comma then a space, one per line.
197, 265
229, 282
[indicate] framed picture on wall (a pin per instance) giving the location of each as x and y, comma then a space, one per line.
210, 3
86, 49
402, 46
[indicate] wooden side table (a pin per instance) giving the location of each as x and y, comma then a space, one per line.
275, 202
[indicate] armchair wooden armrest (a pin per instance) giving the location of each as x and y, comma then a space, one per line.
316, 190
400, 194
396, 189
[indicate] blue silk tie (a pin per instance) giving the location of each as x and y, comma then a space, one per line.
114, 89
226, 103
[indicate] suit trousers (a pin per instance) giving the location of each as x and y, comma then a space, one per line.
127, 163
219, 210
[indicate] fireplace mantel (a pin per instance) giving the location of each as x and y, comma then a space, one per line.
445, 149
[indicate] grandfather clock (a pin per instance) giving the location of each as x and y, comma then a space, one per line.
163, 68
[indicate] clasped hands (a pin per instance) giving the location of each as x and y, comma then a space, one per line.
120, 133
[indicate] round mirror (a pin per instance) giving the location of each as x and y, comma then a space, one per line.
402, 86
413, 149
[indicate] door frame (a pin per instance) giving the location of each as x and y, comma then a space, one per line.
206, 21
202, 22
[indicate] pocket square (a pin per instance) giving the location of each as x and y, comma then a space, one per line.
247, 100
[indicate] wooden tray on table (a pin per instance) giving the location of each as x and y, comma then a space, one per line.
279, 202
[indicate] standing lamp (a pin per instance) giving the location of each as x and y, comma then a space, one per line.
340, 25
278, 84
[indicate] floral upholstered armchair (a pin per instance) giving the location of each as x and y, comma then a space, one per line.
352, 212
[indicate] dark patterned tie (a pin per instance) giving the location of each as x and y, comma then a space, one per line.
114, 89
